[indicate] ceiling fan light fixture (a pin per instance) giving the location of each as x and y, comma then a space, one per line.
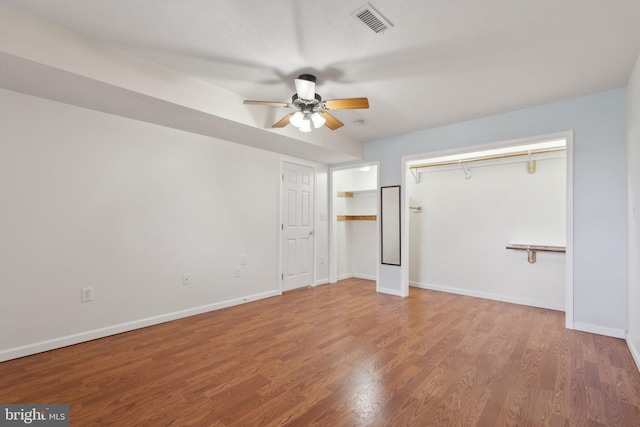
306, 87
296, 119
306, 125
318, 120
311, 111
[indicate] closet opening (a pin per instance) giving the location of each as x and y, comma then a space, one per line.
354, 223
493, 222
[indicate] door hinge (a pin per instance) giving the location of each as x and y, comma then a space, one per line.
283, 177
282, 276
281, 226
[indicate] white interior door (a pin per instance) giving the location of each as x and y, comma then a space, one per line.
297, 226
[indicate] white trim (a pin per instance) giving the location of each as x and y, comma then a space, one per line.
568, 136
390, 291
322, 282
16, 352
634, 351
356, 276
490, 296
599, 330
568, 318
364, 277
404, 231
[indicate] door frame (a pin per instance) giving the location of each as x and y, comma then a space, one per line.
313, 166
568, 136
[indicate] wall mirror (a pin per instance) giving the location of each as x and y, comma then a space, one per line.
390, 224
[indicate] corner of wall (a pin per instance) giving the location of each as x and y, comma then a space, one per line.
633, 188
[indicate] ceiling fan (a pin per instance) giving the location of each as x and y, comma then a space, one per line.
311, 108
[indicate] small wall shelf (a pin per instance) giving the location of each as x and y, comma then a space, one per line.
356, 217
357, 193
344, 194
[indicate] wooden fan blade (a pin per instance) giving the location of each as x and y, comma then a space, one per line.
283, 122
332, 123
346, 104
269, 103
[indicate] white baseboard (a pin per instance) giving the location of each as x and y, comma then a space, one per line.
322, 282
634, 350
486, 295
396, 292
364, 277
14, 353
599, 330
356, 276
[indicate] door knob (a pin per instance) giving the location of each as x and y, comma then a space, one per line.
310, 232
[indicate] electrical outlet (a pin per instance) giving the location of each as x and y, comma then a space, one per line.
87, 294
186, 279
321, 260
243, 259
237, 272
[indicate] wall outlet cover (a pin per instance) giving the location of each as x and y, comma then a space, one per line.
87, 294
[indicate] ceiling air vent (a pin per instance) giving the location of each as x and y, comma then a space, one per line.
372, 18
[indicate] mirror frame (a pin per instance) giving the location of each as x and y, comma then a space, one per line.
390, 212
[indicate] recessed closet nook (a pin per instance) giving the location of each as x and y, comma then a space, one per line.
491, 223
355, 210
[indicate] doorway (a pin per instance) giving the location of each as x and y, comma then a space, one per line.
354, 223
466, 210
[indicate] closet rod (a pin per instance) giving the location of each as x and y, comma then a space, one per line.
536, 248
479, 159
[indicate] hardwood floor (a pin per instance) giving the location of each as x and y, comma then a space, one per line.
341, 355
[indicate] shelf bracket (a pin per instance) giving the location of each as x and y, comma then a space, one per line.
531, 166
465, 170
531, 256
416, 174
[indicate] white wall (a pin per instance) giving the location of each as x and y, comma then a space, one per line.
91, 199
633, 158
599, 200
321, 224
457, 242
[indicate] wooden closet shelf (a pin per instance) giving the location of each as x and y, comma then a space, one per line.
356, 217
345, 194
358, 193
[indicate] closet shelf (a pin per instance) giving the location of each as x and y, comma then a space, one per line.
357, 193
416, 170
356, 217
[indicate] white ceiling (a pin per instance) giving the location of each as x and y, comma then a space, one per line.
443, 61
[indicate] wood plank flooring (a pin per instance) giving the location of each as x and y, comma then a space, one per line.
341, 355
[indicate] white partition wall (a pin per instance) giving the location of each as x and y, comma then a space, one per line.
599, 199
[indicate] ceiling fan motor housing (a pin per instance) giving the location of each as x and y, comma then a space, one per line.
306, 106
308, 77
